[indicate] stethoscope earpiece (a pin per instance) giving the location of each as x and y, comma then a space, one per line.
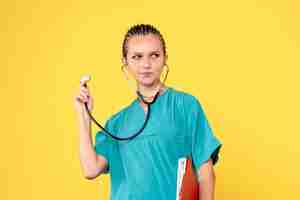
85, 79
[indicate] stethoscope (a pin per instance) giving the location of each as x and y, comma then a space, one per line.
87, 78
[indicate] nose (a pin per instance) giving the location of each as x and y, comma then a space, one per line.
146, 63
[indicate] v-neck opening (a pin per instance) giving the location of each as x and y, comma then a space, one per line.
140, 107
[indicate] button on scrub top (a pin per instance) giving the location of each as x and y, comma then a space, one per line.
146, 167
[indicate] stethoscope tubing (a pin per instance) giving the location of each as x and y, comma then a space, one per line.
133, 135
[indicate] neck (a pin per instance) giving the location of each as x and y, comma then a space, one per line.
150, 90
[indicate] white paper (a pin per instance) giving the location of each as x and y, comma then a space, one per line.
180, 174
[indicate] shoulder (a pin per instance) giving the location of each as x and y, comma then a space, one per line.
187, 104
185, 98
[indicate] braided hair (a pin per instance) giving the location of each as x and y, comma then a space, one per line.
141, 29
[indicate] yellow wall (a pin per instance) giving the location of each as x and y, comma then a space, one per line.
240, 58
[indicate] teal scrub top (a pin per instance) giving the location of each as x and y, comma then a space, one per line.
146, 167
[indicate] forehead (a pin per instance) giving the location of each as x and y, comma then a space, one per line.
144, 43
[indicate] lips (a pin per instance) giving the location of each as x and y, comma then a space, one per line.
146, 73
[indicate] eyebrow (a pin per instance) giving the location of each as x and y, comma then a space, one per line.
156, 51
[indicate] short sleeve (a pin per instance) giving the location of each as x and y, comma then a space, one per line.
204, 144
103, 145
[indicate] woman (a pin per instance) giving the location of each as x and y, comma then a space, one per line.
146, 167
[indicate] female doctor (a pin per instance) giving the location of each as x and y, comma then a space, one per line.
146, 166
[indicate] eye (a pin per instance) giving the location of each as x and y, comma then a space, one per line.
155, 55
135, 57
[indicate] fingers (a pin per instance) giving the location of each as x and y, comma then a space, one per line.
81, 98
84, 95
85, 91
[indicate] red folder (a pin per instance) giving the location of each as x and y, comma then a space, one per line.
190, 186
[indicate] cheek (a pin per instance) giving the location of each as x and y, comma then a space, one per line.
133, 70
159, 69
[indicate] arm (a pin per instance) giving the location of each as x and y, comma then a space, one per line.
92, 164
206, 178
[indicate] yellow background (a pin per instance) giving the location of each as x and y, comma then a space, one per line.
240, 58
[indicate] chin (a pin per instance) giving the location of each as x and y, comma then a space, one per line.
147, 82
